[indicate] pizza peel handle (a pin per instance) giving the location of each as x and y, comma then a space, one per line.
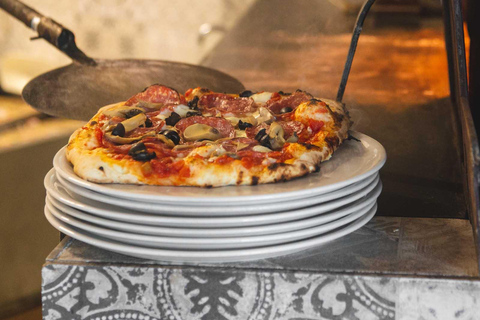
48, 29
353, 46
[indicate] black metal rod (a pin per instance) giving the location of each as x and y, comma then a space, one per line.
48, 29
353, 46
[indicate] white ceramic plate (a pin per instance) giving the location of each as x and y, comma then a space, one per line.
352, 162
163, 242
51, 184
225, 210
190, 256
58, 192
215, 232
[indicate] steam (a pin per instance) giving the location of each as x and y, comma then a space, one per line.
359, 117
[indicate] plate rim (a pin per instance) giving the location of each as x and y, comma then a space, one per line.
211, 256
103, 188
211, 243
194, 211
326, 207
215, 222
193, 232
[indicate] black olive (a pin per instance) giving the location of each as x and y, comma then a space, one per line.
136, 148
132, 113
260, 134
286, 110
144, 156
139, 152
244, 125
148, 123
173, 119
193, 113
265, 141
193, 104
246, 94
172, 135
263, 138
284, 93
119, 130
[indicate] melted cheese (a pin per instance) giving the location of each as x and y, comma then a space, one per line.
261, 97
182, 110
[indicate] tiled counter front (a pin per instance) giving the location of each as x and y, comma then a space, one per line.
98, 292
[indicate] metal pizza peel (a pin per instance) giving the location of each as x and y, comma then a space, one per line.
78, 90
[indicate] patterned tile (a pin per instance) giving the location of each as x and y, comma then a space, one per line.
76, 292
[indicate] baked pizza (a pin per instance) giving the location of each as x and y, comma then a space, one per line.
208, 139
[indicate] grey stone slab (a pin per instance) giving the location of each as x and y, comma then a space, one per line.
386, 245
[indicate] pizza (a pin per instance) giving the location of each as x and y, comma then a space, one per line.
207, 139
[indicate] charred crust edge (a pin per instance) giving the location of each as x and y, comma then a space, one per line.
276, 165
332, 142
311, 146
337, 117
240, 177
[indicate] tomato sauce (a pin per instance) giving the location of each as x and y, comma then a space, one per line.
316, 126
251, 158
224, 159
99, 135
165, 167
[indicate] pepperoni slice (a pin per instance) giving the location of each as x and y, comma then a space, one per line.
156, 94
121, 149
291, 101
222, 125
226, 103
292, 126
252, 132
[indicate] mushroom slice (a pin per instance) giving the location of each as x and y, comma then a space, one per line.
241, 145
293, 138
184, 147
276, 135
123, 111
149, 105
134, 122
264, 115
247, 119
240, 133
261, 149
200, 131
122, 140
165, 140
233, 120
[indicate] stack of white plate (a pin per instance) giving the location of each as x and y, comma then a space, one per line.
189, 224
